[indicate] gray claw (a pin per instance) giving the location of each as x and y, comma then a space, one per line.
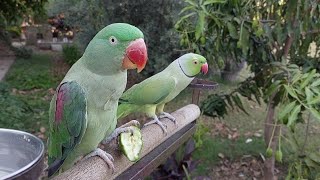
104, 155
156, 121
169, 116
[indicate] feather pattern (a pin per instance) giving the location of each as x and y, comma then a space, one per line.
67, 124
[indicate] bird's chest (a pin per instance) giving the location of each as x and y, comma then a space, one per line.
182, 83
105, 95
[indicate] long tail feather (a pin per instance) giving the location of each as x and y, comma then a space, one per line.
124, 110
54, 167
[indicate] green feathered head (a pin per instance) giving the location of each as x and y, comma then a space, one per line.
192, 64
116, 47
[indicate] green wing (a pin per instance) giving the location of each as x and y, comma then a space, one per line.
150, 91
68, 121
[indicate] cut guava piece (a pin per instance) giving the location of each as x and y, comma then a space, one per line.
131, 144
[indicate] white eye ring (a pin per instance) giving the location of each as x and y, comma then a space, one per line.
113, 40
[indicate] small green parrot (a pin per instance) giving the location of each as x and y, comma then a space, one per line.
83, 110
152, 94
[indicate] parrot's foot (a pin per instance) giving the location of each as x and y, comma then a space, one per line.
121, 129
131, 123
169, 116
102, 154
157, 121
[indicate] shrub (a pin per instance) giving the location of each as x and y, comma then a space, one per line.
23, 52
71, 54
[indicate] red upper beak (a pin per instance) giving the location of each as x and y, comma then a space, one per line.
204, 68
137, 53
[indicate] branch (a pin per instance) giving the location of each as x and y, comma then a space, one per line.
314, 31
287, 46
96, 168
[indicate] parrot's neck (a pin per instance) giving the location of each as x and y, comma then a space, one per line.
180, 66
110, 69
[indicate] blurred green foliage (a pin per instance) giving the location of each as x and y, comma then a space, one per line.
14, 10
86, 17
155, 18
22, 52
274, 38
34, 73
71, 54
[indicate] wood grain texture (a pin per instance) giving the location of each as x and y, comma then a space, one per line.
96, 168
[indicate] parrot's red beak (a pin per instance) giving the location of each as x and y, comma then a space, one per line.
136, 55
204, 68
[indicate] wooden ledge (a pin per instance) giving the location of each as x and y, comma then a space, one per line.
156, 149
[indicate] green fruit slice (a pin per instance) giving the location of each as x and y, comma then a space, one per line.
131, 144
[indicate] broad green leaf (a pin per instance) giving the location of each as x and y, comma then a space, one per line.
273, 87
309, 94
315, 83
315, 157
183, 18
191, 2
213, 2
315, 100
200, 25
308, 79
237, 20
311, 163
287, 109
256, 93
291, 91
186, 9
229, 101
294, 115
315, 90
315, 113
238, 102
243, 42
232, 30
296, 77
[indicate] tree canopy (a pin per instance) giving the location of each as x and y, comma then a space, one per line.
13, 10
274, 38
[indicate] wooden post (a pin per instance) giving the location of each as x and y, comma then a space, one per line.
153, 138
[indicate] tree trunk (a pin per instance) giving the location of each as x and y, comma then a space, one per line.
271, 130
271, 133
232, 69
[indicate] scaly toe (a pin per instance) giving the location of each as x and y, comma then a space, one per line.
103, 155
162, 125
169, 116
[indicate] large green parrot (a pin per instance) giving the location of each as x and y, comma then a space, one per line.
152, 94
83, 109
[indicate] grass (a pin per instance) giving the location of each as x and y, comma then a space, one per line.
207, 154
26, 101
213, 145
33, 73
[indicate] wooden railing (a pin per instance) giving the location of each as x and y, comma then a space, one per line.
156, 149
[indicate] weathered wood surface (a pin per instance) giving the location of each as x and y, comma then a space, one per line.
96, 168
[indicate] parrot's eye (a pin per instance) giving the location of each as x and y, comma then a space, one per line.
113, 40
195, 62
